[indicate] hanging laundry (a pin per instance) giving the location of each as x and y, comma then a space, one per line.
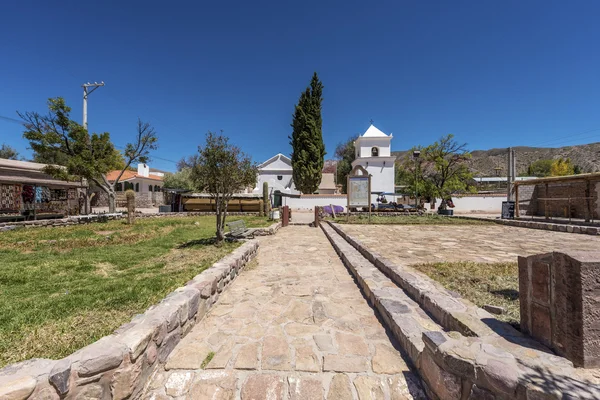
38, 194
17, 196
46, 194
6, 197
28, 194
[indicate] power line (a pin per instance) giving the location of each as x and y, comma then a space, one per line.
158, 158
17, 121
561, 139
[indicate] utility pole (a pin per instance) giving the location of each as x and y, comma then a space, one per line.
86, 93
511, 173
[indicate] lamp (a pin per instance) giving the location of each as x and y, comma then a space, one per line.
416, 154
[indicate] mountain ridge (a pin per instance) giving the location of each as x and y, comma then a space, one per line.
493, 162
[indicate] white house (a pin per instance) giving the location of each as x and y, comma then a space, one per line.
374, 153
277, 172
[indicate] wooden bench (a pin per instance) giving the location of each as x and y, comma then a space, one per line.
238, 229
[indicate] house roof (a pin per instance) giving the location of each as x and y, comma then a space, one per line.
14, 171
129, 175
327, 181
277, 157
374, 132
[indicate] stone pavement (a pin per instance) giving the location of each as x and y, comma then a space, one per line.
293, 326
413, 244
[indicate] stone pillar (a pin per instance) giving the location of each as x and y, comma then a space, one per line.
559, 296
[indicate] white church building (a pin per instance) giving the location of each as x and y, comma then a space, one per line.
374, 153
277, 172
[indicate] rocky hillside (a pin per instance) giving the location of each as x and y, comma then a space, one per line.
484, 162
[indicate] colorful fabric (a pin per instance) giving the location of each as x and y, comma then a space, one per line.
38, 194
6, 196
28, 194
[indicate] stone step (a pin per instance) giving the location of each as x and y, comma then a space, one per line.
492, 361
403, 316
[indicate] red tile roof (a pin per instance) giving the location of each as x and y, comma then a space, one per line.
127, 175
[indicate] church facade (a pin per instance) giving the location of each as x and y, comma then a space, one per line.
374, 153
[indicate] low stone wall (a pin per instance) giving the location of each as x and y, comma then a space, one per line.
192, 214
68, 221
482, 358
86, 219
118, 366
548, 226
457, 367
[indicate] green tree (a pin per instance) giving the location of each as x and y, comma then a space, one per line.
441, 170
562, 167
83, 155
345, 155
182, 179
308, 150
221, 169
540, 168
8, 152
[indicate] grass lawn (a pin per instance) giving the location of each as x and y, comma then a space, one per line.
409, 220
495, 284
64, 288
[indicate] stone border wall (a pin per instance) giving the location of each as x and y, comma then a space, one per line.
118, 366
86, 219
494, 366
548, 226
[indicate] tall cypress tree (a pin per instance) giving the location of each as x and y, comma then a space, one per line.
308, 149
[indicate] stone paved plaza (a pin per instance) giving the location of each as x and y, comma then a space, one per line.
412, 244
292, 326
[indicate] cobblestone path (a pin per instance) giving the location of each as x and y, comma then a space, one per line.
413, 244
294, 325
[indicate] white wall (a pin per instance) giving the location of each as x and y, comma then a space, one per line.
365, 144
275, 184
309, 202
470, 204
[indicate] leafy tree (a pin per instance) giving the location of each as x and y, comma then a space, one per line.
8, 152
308, 150
577, 170
345, 154
562, 167
221, 169
441, 170
83, 155
414, 183
181, 179
540, 168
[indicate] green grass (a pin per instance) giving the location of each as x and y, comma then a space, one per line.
208, 359
495, 284
409, 220
63, 288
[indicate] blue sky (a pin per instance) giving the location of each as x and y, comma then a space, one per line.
493, 73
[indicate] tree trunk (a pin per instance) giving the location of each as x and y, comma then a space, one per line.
219, 232
112, 207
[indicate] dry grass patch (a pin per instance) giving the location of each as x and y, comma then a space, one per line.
495, 284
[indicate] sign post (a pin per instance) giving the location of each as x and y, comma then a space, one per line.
359, 190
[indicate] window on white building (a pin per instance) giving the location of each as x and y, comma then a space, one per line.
374, 152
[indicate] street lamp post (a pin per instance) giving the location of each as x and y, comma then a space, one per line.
416, 155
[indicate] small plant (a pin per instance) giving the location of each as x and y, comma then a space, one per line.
130, 196
208, 358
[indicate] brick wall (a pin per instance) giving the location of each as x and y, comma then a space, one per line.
559, 306
531, 199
